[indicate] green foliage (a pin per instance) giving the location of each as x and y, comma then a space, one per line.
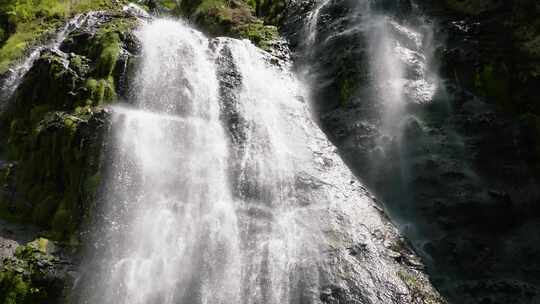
420, 288
492, 82
31, 20
271, 11
231, 18
260, 34
55, 132
346, 90
21, 278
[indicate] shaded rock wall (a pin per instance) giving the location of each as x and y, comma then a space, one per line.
463, 182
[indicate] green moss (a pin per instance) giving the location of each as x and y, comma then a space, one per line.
33, 20
92, 184
346, 90
261, 35
55, 137
58, 171
16, 289
21, 279
109, 51
271, 11
492, 82
62, 223
420, 288
234, 18
98, 92
169, 4
17, 44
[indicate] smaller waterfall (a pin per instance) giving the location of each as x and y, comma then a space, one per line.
313, 19
399, 65
378, 95
15, 75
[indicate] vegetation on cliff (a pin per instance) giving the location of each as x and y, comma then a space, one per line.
54, 127
28, 277
24, 22
256, 20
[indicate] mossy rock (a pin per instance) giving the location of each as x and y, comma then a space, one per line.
492, 81
29, 277
29, 22
420, 288
58, 172
235, 18
261, 35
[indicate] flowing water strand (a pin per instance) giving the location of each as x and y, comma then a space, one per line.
399, 66
173, 234
399, 63
313, 19
17, 73
280, 251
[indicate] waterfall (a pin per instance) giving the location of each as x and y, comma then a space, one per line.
178, 231
222, 189
399, 57
387, 74
173, 232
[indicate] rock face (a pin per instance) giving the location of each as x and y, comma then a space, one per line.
460, 177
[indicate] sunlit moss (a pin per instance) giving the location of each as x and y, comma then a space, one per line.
238, 19
34, 19
22, 278
420, 288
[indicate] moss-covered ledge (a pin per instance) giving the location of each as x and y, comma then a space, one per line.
255, 20
25, 23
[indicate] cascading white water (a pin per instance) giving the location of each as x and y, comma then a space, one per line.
223, 190
280, 248
399, 56
178, 230
173, 235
